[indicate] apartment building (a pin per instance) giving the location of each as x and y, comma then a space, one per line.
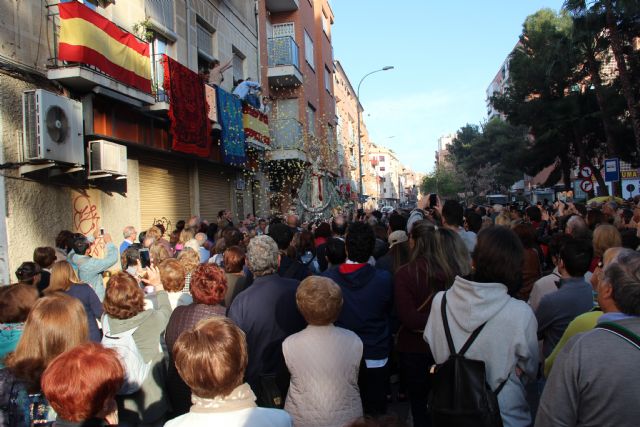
297, 62
101, 145
387, 172
443, 149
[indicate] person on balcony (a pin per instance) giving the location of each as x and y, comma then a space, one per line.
217, 72
246, 91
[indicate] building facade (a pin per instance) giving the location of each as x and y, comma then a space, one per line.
443, 150
96, 148
297, 62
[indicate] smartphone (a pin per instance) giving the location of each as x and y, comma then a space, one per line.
102, 231
433, 200
145, 260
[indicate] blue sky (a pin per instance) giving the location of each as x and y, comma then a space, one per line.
445, 54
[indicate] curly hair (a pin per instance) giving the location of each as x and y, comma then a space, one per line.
208, 284
319, 300
123, 297
233, 259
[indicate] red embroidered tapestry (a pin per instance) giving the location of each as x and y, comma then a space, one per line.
190, 126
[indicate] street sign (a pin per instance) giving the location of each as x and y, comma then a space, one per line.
612, 170
586, 186
585, 171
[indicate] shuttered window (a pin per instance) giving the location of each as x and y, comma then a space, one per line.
164, 192
215, 192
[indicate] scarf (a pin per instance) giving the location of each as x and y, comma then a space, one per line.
241, 397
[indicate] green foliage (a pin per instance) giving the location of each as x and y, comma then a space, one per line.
444, 181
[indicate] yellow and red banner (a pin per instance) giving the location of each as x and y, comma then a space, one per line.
256, 124
90, 38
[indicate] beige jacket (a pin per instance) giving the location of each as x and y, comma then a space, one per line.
324, 363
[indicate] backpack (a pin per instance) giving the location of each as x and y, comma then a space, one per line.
135, 370
460, 395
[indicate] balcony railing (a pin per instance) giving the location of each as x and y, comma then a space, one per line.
283, 51
286, 134
157, 78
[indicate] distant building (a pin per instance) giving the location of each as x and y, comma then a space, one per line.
443, 149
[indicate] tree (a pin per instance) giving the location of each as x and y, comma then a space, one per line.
443, 181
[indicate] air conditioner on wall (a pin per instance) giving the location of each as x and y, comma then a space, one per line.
52, 126
107, 158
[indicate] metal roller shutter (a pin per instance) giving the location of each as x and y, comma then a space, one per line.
164, 192
215, 192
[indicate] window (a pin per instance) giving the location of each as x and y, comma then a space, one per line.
311, 119
308, 50
238, 65
327, 79
205, 42
381, 158
326, 25
158, 48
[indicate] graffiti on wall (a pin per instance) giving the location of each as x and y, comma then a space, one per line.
86, 218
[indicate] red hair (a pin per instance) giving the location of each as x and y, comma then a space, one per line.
80, 382
208, 284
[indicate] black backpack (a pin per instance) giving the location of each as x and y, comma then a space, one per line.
460, 395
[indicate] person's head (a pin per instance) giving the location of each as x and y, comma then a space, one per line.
527, 235
28, 273
594, 218
228, 215
161, 227
212, 230
64, 240
180, 225
233, 259
623, 276
503, 219
305, 242
211, 358
55, 324
63, 276
556, 243
158, 253
282, 235
44, 256
189, 259
533, 214
131, 256
323, 230
292, 220
339, 226
208, 284
201, 238
81, 245
262, 256
444, 251
336, 253
186, 235
172, 274
16, 302
262, 223
498, 258
474, 221
359, 242
452, 213
575, 257
577, 227
123, 297
154, 233
397, 222
605, 236
232, 236
397, 237
319, 300
82, 382
129, 233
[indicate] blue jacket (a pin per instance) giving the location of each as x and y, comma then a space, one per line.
368, 298
90, 269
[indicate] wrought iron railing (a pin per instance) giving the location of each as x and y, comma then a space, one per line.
283, 51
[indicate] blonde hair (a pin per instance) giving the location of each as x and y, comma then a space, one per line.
62, 277
319, 300
605, 236
503, 219
154, 232
186, 235
189, 259
158, 253
55, 324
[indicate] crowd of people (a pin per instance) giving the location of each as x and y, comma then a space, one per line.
485, 315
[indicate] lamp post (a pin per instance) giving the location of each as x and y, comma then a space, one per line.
388, 67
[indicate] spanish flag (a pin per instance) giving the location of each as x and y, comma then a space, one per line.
89, 38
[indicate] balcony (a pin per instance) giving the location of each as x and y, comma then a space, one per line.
276, 6
157, 85
287, 140
284, 62
84, 78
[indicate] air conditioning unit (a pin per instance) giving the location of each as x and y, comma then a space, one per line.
107, 157
52, 127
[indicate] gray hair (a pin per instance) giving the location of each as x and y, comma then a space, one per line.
201, 238
262, 256
623, 274
128, 231
578, 227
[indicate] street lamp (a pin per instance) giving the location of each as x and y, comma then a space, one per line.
388, 67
